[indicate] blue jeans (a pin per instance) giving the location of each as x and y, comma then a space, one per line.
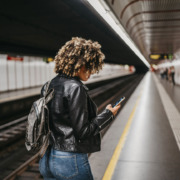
65, 165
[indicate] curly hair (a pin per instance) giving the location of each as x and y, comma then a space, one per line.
76, 53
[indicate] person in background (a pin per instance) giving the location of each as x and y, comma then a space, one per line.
74, 123
162, 73
169, 74
166, 73
172, 74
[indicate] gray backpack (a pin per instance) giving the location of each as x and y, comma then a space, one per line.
37, 128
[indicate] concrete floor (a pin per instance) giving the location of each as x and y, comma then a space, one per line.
150, 151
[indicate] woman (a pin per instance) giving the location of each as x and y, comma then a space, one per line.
74, 123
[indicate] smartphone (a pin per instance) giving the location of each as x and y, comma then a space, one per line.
118, 102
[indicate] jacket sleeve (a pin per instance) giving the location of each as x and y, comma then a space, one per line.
78, 110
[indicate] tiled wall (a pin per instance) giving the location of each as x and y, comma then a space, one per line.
30, 72
33, 72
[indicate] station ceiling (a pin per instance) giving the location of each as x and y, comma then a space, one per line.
154, 25
41, 27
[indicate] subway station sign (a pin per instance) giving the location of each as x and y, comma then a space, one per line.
14, 58
160, 56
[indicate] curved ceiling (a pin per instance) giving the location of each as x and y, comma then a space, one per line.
154, 25
42, 27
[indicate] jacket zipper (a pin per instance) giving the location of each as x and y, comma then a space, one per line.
105, 122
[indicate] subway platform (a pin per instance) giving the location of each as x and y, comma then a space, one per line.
8, 96
143, 142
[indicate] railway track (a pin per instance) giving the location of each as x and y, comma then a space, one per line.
14, 130
27, 168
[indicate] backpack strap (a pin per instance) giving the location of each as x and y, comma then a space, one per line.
47, 87
46, 140
49, 95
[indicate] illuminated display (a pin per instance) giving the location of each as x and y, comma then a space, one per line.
160, 56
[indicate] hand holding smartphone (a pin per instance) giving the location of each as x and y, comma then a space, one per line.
118, 102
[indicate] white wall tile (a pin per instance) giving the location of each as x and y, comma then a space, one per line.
11, 74
3, 72
19, 74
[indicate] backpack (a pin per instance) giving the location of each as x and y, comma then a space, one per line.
37, 128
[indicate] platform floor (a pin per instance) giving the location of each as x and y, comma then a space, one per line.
19, 94
143, 141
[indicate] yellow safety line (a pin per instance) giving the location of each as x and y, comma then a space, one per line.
112, 164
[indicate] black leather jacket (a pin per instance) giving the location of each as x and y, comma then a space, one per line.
74, 123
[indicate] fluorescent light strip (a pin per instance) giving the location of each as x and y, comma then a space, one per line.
102, 8
168, 64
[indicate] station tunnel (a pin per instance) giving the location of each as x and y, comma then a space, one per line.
140, 41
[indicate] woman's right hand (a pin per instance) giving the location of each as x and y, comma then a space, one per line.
114, 110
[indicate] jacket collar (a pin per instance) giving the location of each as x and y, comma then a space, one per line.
75, 77
69, 77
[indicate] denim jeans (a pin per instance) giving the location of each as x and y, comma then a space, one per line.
65, 165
